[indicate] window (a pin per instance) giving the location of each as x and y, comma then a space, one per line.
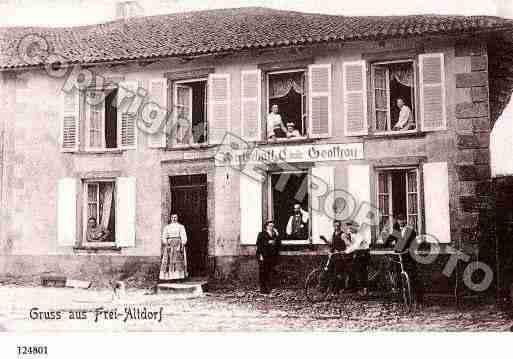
190, 99
101, 118
393, 84
286, 115
288, 190
100, 212
398, 193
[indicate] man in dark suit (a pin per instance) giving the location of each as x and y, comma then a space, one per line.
268, 247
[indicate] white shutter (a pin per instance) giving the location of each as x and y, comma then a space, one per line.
182, 125
319, 89
158, 95
436, 201
94, 120
125, 211
432, 92
251, 88
358, 185
127, 115
322, 216
355, 98
250, 208
70, 120
66, 211
219, 107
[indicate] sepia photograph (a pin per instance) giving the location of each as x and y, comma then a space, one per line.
172, 166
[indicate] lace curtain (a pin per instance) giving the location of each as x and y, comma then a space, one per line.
281, 86
107, 204
402, 74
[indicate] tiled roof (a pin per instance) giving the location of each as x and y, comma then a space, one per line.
212, 31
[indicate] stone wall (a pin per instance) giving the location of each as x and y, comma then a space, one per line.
473, 157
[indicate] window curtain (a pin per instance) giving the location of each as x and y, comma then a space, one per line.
107, 204
281, 86
403, 75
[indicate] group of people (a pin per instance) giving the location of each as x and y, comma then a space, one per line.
276, 128
345, 240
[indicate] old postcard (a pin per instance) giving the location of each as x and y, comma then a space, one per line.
255, 166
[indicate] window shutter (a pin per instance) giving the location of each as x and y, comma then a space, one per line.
250, 208
358, 185
94, 120
319, 88
432, 92
66, 211
219, 107
158, 94
436, 201
70, 118
355, 98
251, 88
127, 115
125, 211
182, 114
322, 217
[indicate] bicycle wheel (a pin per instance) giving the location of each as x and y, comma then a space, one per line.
406, 291
317, 286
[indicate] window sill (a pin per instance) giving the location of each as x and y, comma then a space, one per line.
406, 134
287, 140
190, 147
114, 151
96, 249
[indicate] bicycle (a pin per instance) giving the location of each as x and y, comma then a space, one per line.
320, 283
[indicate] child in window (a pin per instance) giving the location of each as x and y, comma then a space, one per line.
291, 130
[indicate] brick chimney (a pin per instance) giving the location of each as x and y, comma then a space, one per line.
128, 9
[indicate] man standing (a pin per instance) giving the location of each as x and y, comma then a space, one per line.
401, 239
268, 247
297, 226
340, 240
405, 120
361, 257
407, 236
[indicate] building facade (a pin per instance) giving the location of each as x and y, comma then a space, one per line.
128, 140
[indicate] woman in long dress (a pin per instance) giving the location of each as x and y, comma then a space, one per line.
174, 260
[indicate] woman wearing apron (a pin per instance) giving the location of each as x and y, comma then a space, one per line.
174, 260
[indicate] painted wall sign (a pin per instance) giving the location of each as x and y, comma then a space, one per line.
303, 153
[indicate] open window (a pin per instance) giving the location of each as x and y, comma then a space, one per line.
287, 94
288, 190
398, 194
190, 99
101, 119
100, 212
394, 90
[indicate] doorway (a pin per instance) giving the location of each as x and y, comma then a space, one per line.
189, 201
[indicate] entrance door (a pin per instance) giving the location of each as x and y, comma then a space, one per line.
189, 201
504, 234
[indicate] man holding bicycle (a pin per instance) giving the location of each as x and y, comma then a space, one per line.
340, 240
401, 239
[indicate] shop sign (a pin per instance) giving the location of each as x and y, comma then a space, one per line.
304, 153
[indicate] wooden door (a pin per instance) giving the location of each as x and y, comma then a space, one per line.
189, 201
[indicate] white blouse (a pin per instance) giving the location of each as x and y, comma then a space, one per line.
174, 230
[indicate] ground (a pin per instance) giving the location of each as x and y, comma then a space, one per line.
233, 310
